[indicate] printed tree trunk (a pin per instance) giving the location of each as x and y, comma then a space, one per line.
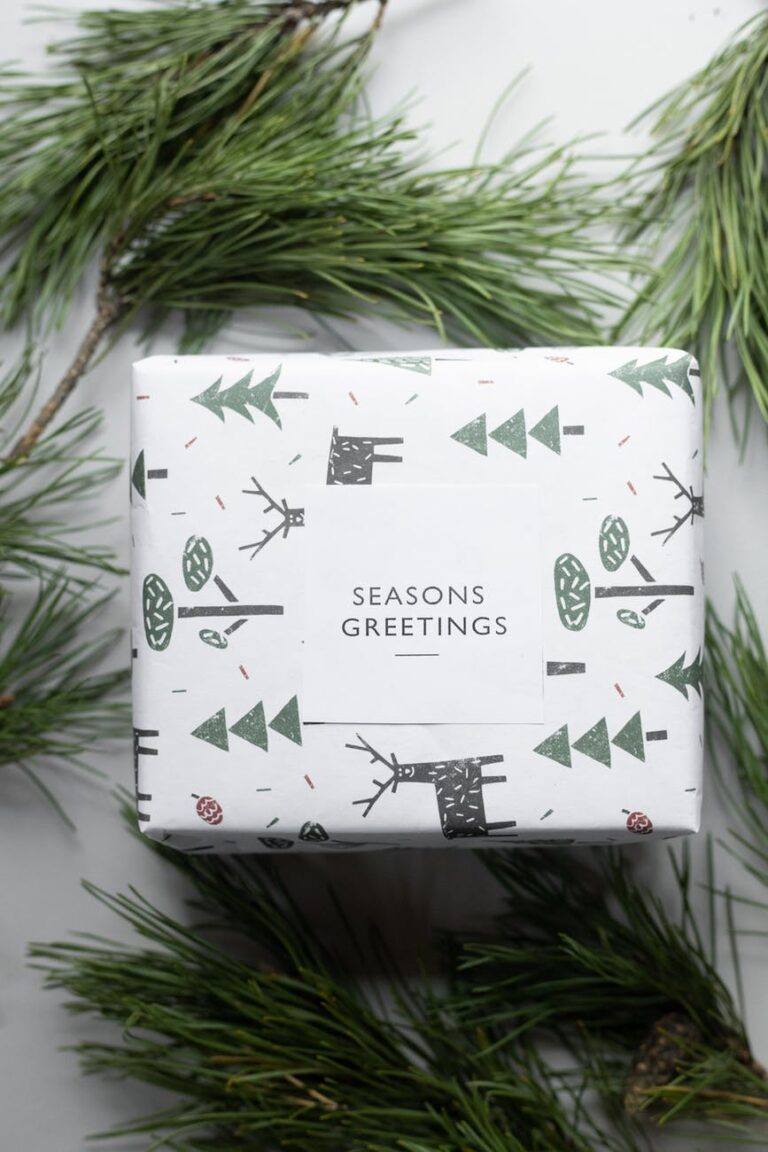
458, 786
159, 612
573, 586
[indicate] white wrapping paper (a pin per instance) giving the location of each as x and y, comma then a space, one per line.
446, 597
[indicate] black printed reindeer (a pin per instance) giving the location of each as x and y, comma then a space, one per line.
458, 786
351, 458
695, 505
289, 518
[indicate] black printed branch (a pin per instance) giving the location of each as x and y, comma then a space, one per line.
695, 504
289, 518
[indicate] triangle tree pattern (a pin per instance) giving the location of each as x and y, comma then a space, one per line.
287, 722
474, 435
683, 676
139, 476
547, 431
658, 374
252, 726
595, 742
214, 730
422, 364
241, 396
512, 433
630, 738
556, 747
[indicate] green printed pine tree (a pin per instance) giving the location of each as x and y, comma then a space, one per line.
683, 676
596, 742
658, 374
252, 726
512, 433
241, 396
421, 364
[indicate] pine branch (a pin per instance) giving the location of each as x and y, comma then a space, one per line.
55, 707
241, 172
696, 204
280, 1046
587, 956
736, 679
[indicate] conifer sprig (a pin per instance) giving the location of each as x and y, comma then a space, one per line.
587, 955
283, 1048
736, 677
216, 157
701, 217
54, 706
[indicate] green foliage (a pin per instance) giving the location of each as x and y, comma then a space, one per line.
701, 216
736, 680
38, 492
54, 705
217, 157
279, 1046
586, 955
272, 1040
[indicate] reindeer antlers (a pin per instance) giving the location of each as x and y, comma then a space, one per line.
376, 758
695, 505
283, 526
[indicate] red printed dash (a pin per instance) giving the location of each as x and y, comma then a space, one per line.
618, 689
189, 443
352, 397
144, 397
623, 442
245, 674
220, 502
309, 781
631, 487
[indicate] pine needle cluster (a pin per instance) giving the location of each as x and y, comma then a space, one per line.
55, 704
737, 703
701, 218
272, 1041
282, 1047
586, 955
219, 156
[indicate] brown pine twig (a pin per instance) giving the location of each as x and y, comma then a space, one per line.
107, 312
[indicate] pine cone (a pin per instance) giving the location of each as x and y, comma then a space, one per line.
659, 1057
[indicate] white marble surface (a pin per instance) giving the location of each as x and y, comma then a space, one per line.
593, 66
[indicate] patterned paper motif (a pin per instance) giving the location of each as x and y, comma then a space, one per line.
223, 760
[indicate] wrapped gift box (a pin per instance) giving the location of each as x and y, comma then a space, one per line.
418, 599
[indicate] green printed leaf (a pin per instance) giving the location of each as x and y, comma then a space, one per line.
573, 592
157, 610
197, 563
613, 542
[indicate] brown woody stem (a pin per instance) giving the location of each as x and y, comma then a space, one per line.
107, 313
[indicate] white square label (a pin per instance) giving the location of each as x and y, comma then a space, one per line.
423, 605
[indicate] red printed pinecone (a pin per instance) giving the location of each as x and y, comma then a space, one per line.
640, 823
209, 810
